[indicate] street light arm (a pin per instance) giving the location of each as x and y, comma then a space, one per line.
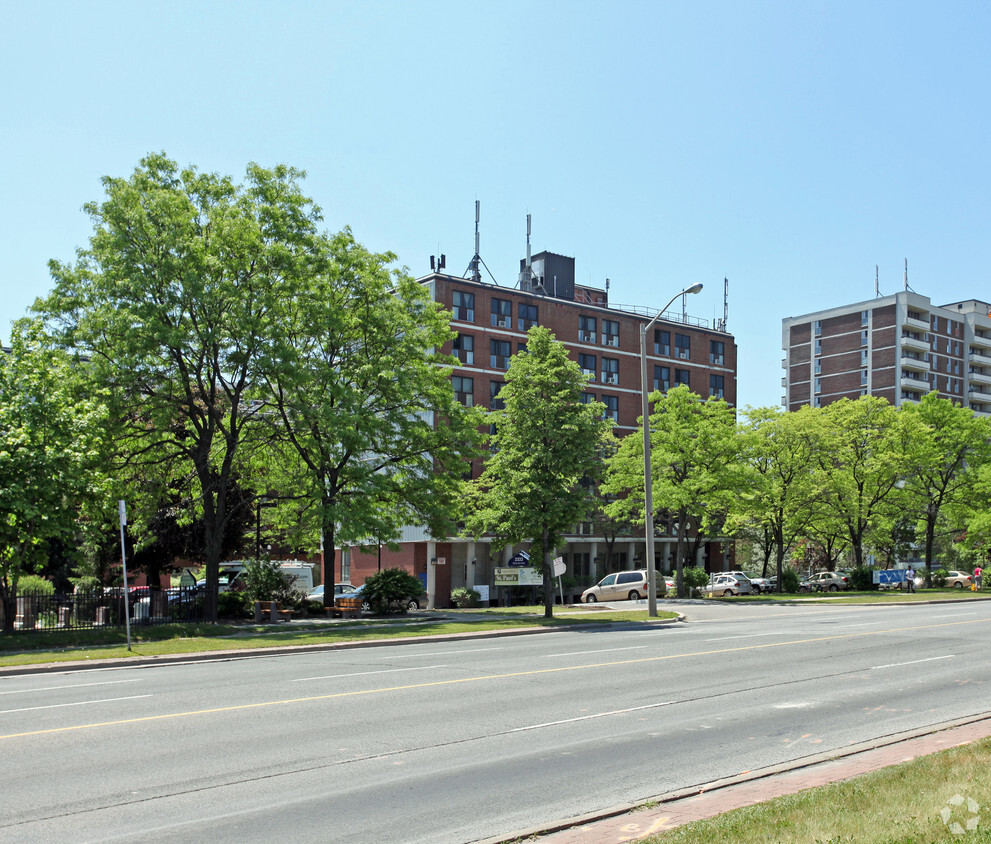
695, 288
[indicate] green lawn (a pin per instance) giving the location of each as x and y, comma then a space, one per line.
63, 646
903, 804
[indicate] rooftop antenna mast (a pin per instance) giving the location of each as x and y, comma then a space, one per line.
877, 290
906, 275
528, 281
476, 261
725, 302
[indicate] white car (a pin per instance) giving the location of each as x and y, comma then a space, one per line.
726, 585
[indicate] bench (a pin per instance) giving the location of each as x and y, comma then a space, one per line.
346, 608
271, 611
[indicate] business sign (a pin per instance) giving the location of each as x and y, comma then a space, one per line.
518, 577
519, 560
531, 577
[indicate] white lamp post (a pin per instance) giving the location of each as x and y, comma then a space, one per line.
648, 492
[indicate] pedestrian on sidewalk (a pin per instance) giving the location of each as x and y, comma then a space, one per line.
910, 579
978, 571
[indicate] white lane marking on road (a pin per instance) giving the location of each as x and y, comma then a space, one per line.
749, 636
865, 624
950, 614
602, 651
441, 653
591, 717
74, 686
363, 673
75, 703
913, 662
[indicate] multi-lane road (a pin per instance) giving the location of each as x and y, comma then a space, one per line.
456, 741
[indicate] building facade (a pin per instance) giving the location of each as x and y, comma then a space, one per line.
898, 347
604, 339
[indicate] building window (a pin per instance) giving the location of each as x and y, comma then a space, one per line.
818, 327
817, 401
521, 348
818, 385
818, 366
683, 346
495, 403
717, 352
662, 342
586, 329
863, 357
610, 333
587, 364
662, 378
865, 317
716, 383
499, 352
464, 390
502, 313
610, 371
612, 407
818, 346
586, 398
863, 338
863, 377
463, 348
527, 316
683, 376
464, 306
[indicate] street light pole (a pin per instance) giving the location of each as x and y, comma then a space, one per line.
648, 488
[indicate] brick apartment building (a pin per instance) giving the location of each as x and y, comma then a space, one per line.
604, 339
898, 347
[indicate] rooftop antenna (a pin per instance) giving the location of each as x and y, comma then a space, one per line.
476, 261
877, 291
725, 302
528, 281
906, 275
435, 265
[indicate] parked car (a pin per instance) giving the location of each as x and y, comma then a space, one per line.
726, 585
757, 584
624, 586
958, 579
825, 581
316, 593
760, 584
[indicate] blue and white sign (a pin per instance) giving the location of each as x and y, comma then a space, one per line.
889, 576
519, 560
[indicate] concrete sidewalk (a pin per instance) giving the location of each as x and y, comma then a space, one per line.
623, 824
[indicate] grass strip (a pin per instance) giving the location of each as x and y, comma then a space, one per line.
81, 645
929, 799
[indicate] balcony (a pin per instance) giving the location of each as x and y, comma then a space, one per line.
976, 377
978, 356
915, 363
921, 324
917, 342
914, 382
979, 393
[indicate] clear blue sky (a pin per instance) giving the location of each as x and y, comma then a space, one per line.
789, 146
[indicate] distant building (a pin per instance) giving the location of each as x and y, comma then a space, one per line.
604, 339
898, 347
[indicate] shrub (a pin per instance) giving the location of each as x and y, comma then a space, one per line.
233, 605
464, 598
264, 580
862, 578
35, 585
695, 578
939, 577
390, 589
789, 580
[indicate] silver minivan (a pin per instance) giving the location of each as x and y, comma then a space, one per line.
624, 586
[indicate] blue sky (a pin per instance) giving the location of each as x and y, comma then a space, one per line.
787, 146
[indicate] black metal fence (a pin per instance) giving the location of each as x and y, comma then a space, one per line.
102, 608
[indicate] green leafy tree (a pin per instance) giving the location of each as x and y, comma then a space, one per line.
861, 465
171, 302
778, 453
693, 464
369, 434
539, 480
948, 447
53, 436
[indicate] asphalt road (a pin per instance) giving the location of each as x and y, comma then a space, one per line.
466, 740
